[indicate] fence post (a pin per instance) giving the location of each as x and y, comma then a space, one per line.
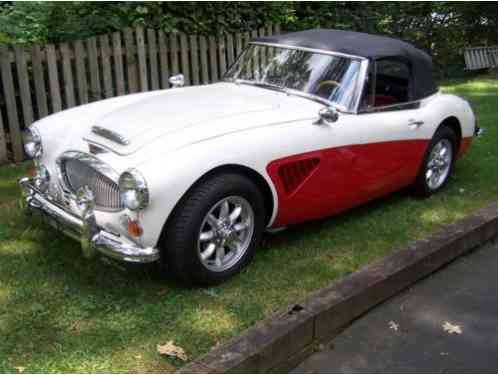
10, 103
105, 61
203, 50
81, 80
3, 142
194, 58
117, 53
67, 75
131, 61
152, 47
212, 59
23, 81
184, 58
39, 78
142, 63
163, 60
53, 79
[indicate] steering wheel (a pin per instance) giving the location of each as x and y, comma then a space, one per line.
325, 87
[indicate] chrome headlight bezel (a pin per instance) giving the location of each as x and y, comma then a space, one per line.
32, 140
133, 190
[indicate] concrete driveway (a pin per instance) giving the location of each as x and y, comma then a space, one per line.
445, 323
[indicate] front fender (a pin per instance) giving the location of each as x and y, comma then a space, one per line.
169, 178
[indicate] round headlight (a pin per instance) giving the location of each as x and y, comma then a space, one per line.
32, 143
133, 190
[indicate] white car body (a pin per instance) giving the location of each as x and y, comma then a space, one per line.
178, 135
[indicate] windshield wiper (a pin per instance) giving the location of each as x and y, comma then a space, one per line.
265, 85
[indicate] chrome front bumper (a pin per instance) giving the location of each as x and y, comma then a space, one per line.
84, 228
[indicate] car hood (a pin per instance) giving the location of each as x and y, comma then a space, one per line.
187, 115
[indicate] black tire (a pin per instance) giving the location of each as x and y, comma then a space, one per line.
179, 246
421, 187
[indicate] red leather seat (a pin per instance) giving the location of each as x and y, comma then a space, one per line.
383, 100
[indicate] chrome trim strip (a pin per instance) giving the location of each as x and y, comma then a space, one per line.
360, 84
398, 106
84, 228
325, 52
111, 135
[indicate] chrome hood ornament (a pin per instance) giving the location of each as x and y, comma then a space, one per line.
111, 135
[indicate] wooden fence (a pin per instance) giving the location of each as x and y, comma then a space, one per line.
41, 80
481, 57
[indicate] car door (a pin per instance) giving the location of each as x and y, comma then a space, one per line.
389, 145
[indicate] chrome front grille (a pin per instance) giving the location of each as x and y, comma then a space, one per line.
78, 172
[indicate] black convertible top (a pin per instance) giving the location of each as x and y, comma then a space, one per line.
364, 45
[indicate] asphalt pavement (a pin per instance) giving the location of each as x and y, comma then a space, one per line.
446, 323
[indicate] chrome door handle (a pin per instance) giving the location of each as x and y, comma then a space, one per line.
415, 124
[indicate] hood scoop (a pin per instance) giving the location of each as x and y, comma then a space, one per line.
111, 135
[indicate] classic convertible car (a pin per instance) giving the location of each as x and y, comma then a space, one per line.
303, 126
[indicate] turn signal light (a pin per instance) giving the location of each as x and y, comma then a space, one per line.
31, 172
134, 228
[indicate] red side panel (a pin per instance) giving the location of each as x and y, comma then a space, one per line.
464, 146
332, 180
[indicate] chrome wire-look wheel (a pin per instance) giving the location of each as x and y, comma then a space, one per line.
225, 233
439, 164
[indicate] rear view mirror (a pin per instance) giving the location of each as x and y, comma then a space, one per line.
327, 115
177, 80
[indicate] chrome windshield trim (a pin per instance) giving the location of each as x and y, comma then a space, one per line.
364, 62
360, 84
110, 135
324, 52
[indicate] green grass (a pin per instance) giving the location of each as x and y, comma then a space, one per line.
62, 313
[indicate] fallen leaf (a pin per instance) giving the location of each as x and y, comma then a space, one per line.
138, 357
171, 350
452, 328
20, 369
210, 292
393, 325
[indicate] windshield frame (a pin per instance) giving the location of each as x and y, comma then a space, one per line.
359, 84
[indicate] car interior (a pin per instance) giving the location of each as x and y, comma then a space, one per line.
392, 84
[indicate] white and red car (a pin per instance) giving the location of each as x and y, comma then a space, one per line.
304, 125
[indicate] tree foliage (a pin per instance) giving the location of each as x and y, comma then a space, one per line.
442, 28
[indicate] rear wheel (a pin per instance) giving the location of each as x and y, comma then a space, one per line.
213, 232
438, 162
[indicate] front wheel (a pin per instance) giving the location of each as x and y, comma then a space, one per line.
438, 162
213, 232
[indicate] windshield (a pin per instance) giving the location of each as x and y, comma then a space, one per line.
320, 75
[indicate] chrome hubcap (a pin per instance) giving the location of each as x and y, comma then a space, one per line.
226, 233
439, 164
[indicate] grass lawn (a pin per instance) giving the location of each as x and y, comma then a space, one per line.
62, 313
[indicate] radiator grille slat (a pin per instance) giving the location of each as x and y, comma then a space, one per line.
77, 174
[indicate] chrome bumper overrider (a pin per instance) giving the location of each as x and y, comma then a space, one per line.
84, 228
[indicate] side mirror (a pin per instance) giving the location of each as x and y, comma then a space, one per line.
177, 80
327, 116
